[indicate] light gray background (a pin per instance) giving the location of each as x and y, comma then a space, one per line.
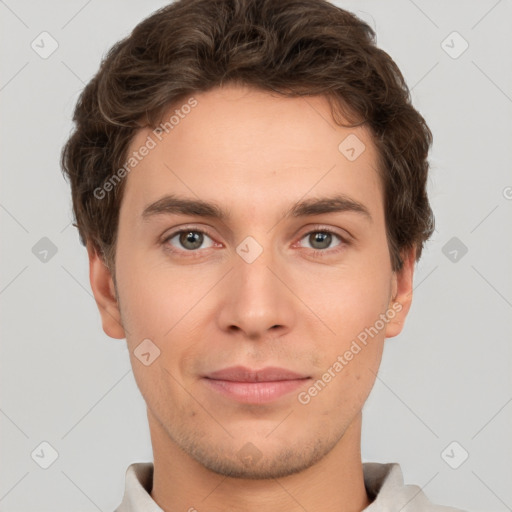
446, 378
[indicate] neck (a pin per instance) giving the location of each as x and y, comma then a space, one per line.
335, 483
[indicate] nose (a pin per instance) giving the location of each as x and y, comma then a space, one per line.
256, 301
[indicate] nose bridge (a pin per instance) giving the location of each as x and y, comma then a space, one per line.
257, 300
253, 273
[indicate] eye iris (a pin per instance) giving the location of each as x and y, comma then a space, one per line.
192, 237
323, 238
193, 240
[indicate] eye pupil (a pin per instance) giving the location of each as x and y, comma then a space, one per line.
193, 237
192, 240
322, 237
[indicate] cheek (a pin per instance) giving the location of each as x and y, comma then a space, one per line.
153, 299
170, 307
348, 299
348, 364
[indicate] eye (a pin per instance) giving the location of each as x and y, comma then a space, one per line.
321, 240
189, 240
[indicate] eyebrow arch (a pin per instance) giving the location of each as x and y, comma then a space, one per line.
172, 204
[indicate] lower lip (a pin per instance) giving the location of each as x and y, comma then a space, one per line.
255, 392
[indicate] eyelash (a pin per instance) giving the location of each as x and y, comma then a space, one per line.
319, 253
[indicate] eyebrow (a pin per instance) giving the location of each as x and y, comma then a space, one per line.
172, 204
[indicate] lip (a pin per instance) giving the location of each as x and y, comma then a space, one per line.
254, 386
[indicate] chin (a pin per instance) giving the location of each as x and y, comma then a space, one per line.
258, 460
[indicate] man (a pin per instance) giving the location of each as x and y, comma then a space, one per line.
249, 178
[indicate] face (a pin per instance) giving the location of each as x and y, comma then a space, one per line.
252, 253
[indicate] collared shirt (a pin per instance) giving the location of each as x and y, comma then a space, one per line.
384, 485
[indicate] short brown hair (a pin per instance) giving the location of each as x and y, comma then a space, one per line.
292, 47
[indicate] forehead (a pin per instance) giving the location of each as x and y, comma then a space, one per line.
244, 147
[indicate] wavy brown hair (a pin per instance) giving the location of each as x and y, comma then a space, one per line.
292, 47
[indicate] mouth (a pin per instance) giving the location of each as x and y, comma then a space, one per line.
250, 386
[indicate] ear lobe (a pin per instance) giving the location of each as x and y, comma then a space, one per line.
103, 289
401, 300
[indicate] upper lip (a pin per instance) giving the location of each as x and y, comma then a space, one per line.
243, 374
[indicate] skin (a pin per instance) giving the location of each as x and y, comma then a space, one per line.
256, 155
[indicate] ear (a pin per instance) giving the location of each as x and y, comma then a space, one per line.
401, 296
104, 292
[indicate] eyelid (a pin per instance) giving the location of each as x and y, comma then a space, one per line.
344, 235
345, 239
178, 230
329, 252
